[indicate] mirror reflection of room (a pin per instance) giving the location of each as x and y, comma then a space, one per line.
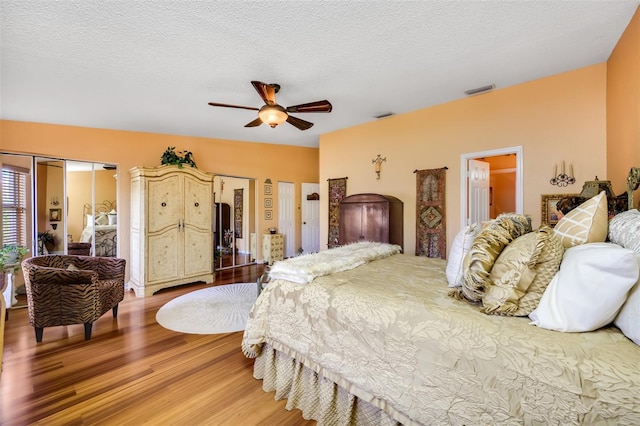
234, 221
50, 200
92, 213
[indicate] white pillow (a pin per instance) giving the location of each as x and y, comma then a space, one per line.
459, 248
90, 220
628, 319
588, 290
102, 219
113, 218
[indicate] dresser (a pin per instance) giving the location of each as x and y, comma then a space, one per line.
371, 217
171, 228
272, 247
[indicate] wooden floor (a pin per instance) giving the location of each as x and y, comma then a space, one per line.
134, 371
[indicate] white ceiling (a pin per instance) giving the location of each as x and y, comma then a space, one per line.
153, 65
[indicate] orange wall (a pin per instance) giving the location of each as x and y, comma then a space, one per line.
623, 105
130, 149
562, 117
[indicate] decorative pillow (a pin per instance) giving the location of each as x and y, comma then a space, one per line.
102, 219
624, 229
90, 220
113, 217
628, 319
589, 289
72, 267
459, 249
485, 249
587, 223
522, 272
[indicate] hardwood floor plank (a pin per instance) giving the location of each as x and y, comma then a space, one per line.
134, 371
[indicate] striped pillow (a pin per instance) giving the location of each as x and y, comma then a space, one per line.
587, 223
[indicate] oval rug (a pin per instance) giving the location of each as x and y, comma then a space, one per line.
211, 310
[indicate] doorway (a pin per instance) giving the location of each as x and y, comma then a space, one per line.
506, 182
310, 218
234, 221
286, 217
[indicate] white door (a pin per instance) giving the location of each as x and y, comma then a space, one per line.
478, 191
286, 217
310, 218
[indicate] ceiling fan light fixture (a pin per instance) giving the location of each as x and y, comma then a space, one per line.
273, 115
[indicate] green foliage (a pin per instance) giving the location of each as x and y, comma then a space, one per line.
12, 253
180, 158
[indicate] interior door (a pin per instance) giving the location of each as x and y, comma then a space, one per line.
310, 218
286, 217
479, 175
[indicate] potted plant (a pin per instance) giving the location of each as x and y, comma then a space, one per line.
12, 254
180, 158
46, 241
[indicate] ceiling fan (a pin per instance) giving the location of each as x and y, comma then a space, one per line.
273, 114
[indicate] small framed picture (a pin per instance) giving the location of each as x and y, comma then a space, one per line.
268, 203
268, 215
267, 190
55, 215
549, 213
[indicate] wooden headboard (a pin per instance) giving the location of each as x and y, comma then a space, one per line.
103, 207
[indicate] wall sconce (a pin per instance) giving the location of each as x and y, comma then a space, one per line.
562, 179
378, 164
54, 226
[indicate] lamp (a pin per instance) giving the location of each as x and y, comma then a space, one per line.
378, 164
273, 115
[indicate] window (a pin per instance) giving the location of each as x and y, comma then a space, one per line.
14, 206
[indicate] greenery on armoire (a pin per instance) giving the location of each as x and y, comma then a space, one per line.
177, 159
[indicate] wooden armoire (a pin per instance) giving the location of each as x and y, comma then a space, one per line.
371, 217
171, 228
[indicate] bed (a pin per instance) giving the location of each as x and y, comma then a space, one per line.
101, 219
385, 343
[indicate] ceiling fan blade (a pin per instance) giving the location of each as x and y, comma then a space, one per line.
266, 91
254, 123
300, 124
233, 106
318, 106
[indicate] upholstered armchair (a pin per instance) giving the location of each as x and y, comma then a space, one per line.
67, 289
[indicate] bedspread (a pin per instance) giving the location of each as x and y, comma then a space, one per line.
388, 333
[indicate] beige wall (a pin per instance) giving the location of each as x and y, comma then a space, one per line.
623, 105
130, 149
562, 117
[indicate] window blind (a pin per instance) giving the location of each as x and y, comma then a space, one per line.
14, 207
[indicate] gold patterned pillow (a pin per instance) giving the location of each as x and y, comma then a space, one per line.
587, 223
522, 272
484, 251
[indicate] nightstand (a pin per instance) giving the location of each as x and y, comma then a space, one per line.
272, 248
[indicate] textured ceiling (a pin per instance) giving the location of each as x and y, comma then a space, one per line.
153, 65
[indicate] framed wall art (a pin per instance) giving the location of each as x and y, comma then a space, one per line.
267, 190
268, 203
55, 215
549, 214
268, 215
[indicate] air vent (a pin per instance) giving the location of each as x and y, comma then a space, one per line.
386, 114
109, 167
479, 90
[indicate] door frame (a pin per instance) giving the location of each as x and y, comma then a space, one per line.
464, 173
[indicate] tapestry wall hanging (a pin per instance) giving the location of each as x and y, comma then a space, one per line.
337, 191
431, 224
237, 211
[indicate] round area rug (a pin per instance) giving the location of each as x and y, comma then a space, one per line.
212, 310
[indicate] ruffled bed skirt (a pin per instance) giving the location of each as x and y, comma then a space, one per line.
317, 397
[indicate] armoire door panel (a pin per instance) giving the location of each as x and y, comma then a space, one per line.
197, 203
163, 206
162, 255
198, 252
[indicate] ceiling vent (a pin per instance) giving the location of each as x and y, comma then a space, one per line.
386, 114
479, 90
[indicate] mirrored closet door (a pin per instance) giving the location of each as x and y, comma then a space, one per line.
235, 236
67, 206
